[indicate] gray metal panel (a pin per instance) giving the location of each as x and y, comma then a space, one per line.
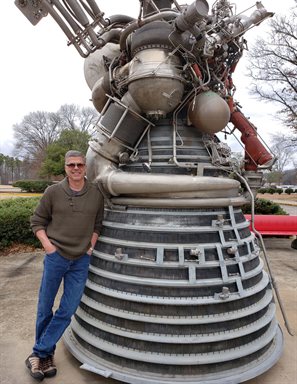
152, 318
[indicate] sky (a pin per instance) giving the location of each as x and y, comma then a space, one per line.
39, 72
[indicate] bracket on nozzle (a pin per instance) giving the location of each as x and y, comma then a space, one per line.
33, 10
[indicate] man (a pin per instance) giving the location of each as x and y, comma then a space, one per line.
67, 222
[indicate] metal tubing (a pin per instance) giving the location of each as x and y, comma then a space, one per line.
186, 359
272, 280
120, 19
112, 36
256, 151
255, 19
167, 300
179, 203
92, 34
197, 319
78, 11
178, 339
176, 112
93, 5
231, 376
73, 24
118, 182
58, 20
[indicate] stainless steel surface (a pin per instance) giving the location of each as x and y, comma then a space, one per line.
155, 82
209, 112
160, 185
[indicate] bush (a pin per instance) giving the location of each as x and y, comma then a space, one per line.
265, 207
15, 221
262, 190
35, 186
271, 190
289, 191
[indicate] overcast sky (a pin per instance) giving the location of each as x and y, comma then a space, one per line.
40, 72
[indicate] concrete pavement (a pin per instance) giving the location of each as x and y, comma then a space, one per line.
19, 281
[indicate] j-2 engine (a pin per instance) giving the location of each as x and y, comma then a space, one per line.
176, 291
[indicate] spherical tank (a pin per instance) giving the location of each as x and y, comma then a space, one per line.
209, 112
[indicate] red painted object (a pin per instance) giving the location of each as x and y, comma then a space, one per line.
255, 152
275, 224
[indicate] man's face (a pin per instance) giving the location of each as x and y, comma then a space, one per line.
75, 168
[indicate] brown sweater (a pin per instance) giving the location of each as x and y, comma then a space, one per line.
69, 219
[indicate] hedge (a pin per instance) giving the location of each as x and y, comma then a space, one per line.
35, 186
265, 207
15, 221
277, 190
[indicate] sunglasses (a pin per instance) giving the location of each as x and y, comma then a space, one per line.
73, 165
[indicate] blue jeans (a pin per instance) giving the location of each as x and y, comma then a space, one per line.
50, 327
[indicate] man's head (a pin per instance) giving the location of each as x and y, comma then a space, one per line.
75, 165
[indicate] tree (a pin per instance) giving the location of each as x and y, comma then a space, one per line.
284, 149
38, 130
73, 117
54, 160
2, 161
11, 169
273, 67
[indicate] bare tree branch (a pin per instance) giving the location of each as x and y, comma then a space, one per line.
39, 129
273, 67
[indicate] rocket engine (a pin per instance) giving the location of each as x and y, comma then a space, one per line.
176, 291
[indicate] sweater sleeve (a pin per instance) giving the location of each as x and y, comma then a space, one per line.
42, 214
99, 216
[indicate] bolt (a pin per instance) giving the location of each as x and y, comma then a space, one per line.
225, 293
232, 250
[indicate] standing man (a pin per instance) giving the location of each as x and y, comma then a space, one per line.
67, 222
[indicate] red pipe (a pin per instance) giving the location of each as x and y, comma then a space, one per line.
255, 152
275, 224
197, 70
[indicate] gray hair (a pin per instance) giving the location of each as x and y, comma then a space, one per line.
74, 153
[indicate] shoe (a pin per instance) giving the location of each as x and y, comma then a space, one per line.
48, 366
33, 363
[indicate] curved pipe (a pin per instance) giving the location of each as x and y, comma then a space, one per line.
117, 183
121, 19
112, 36
179, 203
137, 24
258, 234
256, 153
